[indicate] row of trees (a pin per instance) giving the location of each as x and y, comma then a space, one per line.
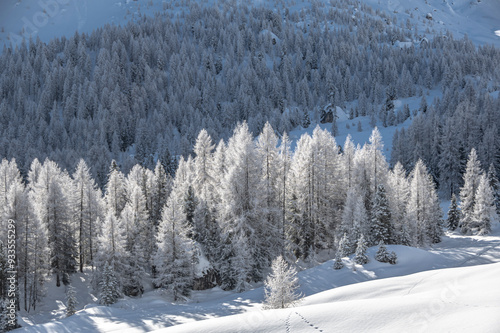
238, 204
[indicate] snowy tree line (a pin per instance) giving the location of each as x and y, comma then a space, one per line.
237, 204
464, 118
143, 91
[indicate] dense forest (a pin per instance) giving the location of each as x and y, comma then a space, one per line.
236, 205
142, 92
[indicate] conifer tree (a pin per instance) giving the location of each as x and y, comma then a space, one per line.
338, 264
52, 194
468, 191
88, 208
360, 256
109, 291
281, 286
453, 214
382, 229
484, 208
173, 256
383, 255
71, 301
495, 186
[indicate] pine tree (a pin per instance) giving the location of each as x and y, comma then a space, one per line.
360, 257
174, 254
71, 301
453, 214
383, 255
495, 186
484, 208
382, 229
109, 288
281, 286
338, 264
345, 246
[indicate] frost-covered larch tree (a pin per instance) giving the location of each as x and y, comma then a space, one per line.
484, 209
281, 286
173, 259
471, 177
424, 215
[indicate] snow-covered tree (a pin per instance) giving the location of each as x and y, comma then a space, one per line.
354, 219
468, 191
241, 214
173, 256
337, 263
268, 155
71, 300
382, 229
111, 251
398, 190
109, 289
424, 215
383, 255
203, 182
115, 196
495, 186
52, 193
360, 256
453, 214
281, 286
88, 209
160, 192
284, 161
484, 209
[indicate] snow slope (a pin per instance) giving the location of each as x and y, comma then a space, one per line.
479, 19
48, 19
56, 18
447, 300
432, 287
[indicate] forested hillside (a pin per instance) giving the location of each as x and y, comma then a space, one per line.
142, 92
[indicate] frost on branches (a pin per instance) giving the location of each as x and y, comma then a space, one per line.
281, 286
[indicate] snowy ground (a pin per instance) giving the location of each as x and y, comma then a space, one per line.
450, 287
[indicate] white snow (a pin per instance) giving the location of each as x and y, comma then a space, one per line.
450, 287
